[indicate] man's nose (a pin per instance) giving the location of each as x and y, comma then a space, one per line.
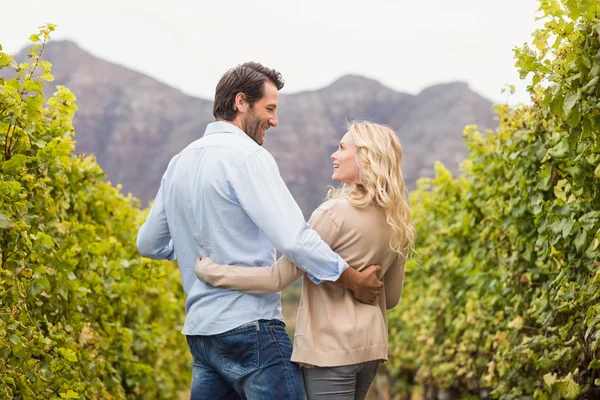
273, 121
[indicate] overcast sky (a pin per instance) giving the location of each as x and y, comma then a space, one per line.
406, 45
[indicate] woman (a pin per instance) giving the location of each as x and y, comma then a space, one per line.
339, 341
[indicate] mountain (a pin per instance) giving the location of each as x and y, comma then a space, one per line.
134, 124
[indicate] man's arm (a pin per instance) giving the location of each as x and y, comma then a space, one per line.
283, 273
365, 284
266, 199
154, 239
268, 202
273, 278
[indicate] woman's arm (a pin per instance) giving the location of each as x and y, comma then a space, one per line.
393, 281
265, 279
248, 279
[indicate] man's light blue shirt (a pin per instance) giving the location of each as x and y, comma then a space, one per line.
223, 197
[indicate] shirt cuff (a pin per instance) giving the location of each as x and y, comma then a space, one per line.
341, 267
172, 256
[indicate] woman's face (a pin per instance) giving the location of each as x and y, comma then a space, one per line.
345, 168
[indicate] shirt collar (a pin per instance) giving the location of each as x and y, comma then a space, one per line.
225, 127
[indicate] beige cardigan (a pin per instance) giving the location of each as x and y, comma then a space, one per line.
332, 328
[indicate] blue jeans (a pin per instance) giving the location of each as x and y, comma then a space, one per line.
249, 362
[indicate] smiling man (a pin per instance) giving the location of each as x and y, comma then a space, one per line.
223, 197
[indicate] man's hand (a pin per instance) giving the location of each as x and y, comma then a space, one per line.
365, 284
201, 262
370, 286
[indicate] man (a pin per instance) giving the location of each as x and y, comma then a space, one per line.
223, 197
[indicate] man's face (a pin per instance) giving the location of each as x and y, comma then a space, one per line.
262, 115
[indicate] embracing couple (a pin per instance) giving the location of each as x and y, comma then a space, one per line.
222, 198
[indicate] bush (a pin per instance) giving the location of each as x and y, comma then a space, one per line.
506, 302
81, 314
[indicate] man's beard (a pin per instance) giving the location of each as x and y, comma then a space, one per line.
253, 127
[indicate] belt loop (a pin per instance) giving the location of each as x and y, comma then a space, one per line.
257, 326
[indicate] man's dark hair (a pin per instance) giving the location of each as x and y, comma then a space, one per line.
248, 78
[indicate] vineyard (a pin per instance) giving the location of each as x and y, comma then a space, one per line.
502, 293
81, 314
502, 299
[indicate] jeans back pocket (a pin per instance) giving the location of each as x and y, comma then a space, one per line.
238, 349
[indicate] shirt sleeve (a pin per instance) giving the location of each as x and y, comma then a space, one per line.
154, 238
266, 199
393, 280
265, 279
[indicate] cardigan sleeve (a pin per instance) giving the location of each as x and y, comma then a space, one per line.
393, 281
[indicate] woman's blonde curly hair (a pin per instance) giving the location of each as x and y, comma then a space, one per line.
379, 159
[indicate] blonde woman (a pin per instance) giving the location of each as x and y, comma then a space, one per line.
338, 340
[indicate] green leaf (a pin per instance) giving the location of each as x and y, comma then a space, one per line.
47, 76
4, 221
70, 394
561, 150
14, 339
558, 226
46, 65
33, 86
516, 323
68, 354
580, 240
14, 165
46, 240
5, 60
588, 5
556, 105
545, 363
550, 379
591, 85
568, 388
561, 190
595, 364
574, 117
34, 38
568, 226
34, 107
570, 102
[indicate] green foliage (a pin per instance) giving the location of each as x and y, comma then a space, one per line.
81, 314
508, 300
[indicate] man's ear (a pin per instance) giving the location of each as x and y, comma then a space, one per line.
241, 105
